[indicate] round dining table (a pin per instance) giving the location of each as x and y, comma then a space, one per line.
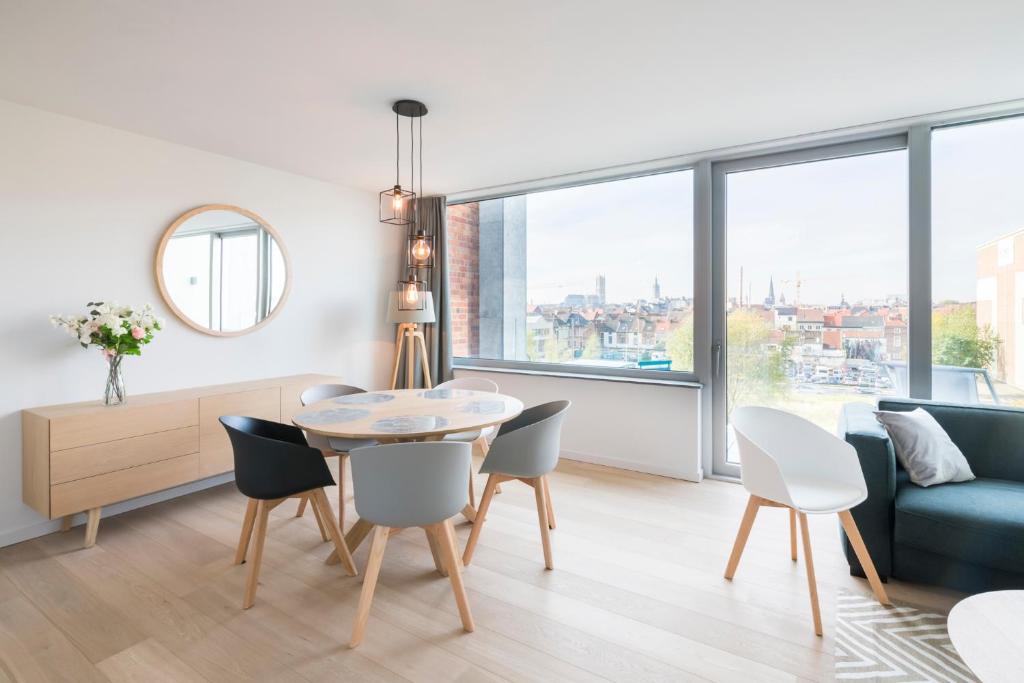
404, 415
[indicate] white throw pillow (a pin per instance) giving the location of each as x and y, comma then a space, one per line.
924, 448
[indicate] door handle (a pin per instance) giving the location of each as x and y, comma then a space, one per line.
716, 358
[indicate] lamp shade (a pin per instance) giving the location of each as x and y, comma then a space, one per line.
423, 315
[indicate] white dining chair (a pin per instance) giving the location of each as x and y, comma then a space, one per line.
331, 447
789, 462
480, 439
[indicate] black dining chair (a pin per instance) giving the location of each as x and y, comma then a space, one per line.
273, 463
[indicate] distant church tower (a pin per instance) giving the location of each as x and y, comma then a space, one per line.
657, 289
600, 289
769, 302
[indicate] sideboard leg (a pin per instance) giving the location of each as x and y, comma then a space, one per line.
65, 522
91, 527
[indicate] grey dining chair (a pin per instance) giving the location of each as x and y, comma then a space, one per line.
480, 439
404, 485
526, 449
331, 447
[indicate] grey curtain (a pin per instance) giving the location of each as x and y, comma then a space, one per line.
432, 218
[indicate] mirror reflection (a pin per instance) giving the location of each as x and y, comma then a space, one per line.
223, 270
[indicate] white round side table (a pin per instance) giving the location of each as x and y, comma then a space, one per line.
987, 631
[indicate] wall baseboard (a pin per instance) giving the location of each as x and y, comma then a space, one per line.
49, 526
674, 473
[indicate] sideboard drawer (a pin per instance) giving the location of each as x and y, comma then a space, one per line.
88, 461
104, 489
121, 422
215, 454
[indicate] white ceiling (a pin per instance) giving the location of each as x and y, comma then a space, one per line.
516, 90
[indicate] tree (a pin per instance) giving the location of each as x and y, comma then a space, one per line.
679, 345
757, 369
958, 340
592, 348
531, 346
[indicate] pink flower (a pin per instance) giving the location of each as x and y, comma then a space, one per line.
138, 333
109, 353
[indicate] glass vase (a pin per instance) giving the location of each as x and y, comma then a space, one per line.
114, 393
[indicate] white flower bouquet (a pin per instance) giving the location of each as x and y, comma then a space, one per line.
118, 330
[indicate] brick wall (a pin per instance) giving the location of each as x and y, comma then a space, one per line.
464, 277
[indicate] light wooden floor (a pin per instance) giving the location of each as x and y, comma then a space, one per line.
637, 595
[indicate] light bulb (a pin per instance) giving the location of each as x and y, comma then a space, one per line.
420, 248
396, 203
411, 293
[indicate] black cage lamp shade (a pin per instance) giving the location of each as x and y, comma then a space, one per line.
411, 293
420, 249
396, 206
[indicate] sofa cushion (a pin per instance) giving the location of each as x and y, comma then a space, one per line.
980, 521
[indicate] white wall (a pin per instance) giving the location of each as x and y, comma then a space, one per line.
82, 208
651, 428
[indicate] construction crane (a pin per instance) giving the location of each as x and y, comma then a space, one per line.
798, 282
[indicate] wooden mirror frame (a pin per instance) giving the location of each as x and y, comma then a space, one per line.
159, 271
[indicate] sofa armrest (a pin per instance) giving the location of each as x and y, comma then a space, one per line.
874, 517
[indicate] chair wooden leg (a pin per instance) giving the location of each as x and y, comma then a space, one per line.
547, 498
753, 503
65, 522
301, 509
319, 500
472, 493
247, 523
92, 527
319, 522
260, 532
436, 551
443, 533
542, 519
850, 527
342, 459
792, 534
812, 584
380, 541
481, 514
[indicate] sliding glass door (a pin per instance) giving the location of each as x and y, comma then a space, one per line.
810, 283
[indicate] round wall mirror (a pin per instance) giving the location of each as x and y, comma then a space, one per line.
223, 270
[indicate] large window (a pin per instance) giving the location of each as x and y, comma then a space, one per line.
593, 276
978, 262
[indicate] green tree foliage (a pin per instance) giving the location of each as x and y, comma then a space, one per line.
592, 347
757, 368
679, 346
958, 340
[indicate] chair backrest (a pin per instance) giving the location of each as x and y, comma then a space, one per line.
322, 392
777, 447
411, 484
273, 460
470, 383
529, 444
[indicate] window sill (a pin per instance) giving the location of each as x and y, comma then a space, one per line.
511, 367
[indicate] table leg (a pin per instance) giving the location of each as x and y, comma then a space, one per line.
359, 531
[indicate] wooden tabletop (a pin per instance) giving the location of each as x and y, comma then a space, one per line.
407, 414
986, 631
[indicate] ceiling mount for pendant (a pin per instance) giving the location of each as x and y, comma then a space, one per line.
410, 108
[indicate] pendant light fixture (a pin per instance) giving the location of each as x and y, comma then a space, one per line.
411, 292
397, 204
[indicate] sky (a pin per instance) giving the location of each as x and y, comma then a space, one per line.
839, 226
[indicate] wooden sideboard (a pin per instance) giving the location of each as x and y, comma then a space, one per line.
79, 457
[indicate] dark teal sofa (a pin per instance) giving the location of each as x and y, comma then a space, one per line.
967, 536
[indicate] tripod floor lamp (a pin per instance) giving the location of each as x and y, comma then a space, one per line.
410, 339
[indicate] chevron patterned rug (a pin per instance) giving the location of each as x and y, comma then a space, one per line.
898, 644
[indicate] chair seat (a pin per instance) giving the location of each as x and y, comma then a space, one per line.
980, 522
345, 445
470, 436
822, 497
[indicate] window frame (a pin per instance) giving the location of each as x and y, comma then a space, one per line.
583, 371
